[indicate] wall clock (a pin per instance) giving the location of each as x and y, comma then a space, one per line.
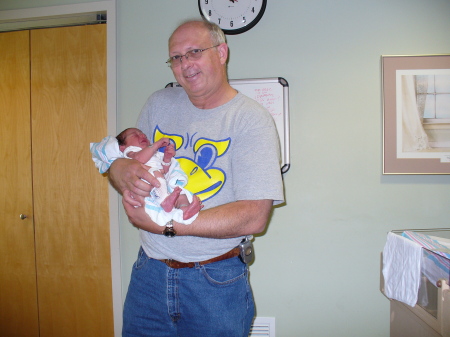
233, 16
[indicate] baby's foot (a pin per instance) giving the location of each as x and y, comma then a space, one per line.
169, 202
192, 209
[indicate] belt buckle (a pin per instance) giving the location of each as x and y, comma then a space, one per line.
177, 264
170, 263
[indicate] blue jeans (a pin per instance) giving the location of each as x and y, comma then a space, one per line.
212, 300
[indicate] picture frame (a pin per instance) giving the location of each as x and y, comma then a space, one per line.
416, 114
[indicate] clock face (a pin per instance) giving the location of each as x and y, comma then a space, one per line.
233, 16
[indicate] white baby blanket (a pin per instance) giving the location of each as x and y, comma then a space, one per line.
402, 260
105, 152
435, 258
428, 242
175, 177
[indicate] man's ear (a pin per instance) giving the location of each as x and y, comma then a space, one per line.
223, 52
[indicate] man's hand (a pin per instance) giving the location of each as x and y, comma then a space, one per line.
129, 174
137, 215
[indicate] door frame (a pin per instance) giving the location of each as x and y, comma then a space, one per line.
24, 15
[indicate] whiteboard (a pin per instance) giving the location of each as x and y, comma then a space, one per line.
273, 94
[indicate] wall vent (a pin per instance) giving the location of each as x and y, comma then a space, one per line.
263, 327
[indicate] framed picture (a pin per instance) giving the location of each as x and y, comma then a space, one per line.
416, 114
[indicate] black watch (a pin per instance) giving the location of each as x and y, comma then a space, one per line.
169, 231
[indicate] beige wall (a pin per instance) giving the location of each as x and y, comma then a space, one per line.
317, 267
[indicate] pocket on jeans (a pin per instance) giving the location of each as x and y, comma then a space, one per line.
225, 272
141, 259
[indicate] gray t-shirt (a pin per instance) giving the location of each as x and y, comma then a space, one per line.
229, 153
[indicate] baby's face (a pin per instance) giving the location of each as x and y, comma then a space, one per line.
135, 137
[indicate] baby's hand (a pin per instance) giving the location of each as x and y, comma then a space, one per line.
162, 142
170, 150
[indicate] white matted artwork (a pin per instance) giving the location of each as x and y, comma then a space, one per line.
416, 114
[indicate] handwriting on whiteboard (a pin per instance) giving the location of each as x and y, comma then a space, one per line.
269, 99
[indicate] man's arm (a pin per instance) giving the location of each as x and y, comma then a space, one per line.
243, 217
231, 220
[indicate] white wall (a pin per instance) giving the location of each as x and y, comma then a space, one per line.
317, 266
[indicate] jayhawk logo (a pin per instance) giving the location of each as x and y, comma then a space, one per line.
204, 179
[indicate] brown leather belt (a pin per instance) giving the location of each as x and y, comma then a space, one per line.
177, 264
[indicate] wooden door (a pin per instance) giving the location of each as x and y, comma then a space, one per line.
18, 296
68, 108
70, 245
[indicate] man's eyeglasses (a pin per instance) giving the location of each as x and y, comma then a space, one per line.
193, 55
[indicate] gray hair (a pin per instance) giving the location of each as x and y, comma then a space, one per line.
216, 33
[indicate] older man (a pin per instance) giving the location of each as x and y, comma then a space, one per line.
190, 280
